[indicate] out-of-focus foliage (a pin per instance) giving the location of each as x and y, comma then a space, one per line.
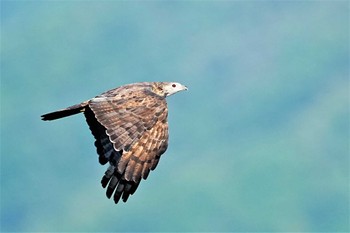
260, 142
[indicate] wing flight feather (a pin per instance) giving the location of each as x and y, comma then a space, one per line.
137, 130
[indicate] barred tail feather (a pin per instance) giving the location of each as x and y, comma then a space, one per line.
75, 109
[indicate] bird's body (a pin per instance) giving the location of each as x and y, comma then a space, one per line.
130, 127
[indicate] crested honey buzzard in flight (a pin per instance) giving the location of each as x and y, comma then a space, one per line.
130, 127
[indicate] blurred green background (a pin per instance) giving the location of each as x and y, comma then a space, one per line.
260, 142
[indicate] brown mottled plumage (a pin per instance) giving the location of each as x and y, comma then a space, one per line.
130, 126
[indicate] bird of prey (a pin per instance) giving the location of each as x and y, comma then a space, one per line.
130, 127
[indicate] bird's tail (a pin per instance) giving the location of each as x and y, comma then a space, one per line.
75, 109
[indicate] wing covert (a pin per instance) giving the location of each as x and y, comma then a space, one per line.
126, 121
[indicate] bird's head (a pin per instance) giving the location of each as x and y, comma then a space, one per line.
168, 88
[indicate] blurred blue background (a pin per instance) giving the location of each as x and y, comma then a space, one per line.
260, 142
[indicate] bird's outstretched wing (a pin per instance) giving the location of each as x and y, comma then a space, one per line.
131, 134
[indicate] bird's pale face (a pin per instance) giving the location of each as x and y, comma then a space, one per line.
172, 88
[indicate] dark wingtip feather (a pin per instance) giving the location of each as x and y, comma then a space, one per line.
107, 176
109, 192
111, 186
127, 190
105, 181
133, 188
118, 192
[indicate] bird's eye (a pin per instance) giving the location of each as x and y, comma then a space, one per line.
174, 85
